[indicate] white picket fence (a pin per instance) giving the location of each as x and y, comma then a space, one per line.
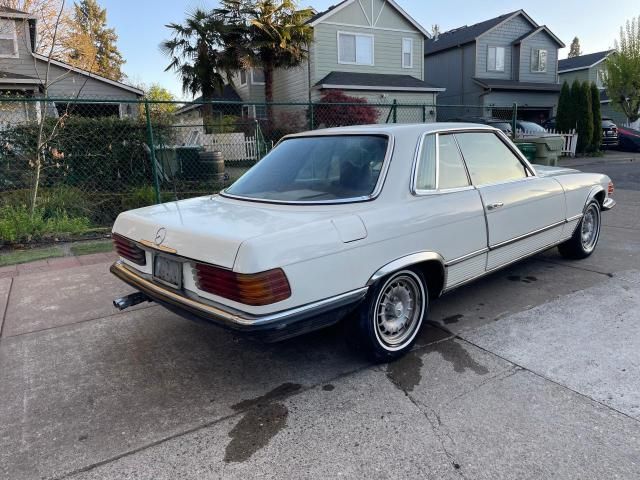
234, 146
570, 139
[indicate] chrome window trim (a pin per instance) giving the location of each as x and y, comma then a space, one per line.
365, 198
416, 161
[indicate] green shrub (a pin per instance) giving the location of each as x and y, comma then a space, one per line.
17, 225
143, 197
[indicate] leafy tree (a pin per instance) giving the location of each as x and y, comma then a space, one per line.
93, 45
584, 116
328, 114
596, 139
197, 56
574, 49
623, 71
157, 95
565, 114
273, 34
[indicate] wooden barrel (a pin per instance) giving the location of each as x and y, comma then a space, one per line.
213, 164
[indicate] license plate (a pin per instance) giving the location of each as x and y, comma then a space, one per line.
167, 271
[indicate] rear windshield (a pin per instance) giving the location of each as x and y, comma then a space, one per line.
311, 169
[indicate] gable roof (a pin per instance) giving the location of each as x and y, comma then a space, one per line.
582, 62
100, 78
229, 94
376, 82
541, 28
469, 33
318, 17
13, 13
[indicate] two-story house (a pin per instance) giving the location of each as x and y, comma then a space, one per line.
591, 68
23, 71
371, 49
491, 65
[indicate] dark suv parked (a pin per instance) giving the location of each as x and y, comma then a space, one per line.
609, 131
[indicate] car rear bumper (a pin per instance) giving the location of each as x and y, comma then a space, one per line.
608, 204
270, 327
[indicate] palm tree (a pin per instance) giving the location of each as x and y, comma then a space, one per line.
275, 35
197, 58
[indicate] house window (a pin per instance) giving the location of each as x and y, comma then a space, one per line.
243, 77
538, 60
257, 76
601, 78
356, 49
407, 53
8, 38
495, 59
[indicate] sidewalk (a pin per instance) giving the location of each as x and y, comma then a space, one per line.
58, 263
609, 156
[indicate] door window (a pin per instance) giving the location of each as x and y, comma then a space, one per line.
488, 159
451, 171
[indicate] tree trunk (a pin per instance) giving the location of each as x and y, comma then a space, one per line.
207, 112
268, 93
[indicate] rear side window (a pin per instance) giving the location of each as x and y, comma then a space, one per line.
488, 159
440, 165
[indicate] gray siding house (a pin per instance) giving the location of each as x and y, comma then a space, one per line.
370, 49
23, 71
591, 68
491, 65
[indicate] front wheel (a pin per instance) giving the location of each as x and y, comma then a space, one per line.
585, 238
389, 319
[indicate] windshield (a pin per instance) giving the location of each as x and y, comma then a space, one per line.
530, 127
308, 169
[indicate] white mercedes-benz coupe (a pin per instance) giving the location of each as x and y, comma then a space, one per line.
371, 220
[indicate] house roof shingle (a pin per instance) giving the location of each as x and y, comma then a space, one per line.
498, 84
463, 35
228, 94
4, 9
16, 76
582, 61
375, 80
322, 13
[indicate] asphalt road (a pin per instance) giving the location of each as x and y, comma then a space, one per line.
532, 372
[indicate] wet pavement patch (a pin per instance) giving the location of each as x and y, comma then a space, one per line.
452, 319
265, 417
405, 372
518, 278
453, 352
328, 387
254, 431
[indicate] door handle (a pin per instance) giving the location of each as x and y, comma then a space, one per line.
494, 206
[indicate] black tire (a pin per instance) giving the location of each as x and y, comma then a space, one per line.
376, 331
585, 238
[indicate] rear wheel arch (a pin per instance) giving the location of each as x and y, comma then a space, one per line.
430, 264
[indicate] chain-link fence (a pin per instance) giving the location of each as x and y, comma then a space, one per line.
91, 159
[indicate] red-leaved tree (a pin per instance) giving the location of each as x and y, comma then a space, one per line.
336, 109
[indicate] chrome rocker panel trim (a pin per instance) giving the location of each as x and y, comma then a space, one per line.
191, 305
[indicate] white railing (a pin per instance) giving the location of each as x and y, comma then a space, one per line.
570, 139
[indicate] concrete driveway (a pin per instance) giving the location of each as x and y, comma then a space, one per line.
533, 372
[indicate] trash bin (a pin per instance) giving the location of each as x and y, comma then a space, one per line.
548, 148
528, 150
189, 160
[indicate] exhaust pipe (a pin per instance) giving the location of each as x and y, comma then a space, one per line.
130, 300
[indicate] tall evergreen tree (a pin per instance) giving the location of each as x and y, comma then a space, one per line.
564, 113
596, 139
93, 44
574, 49
584, 116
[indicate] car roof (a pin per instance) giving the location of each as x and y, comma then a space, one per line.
397, 128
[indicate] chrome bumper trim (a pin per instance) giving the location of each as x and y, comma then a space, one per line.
226, 315
608, 204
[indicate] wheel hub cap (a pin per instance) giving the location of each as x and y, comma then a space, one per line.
398, 310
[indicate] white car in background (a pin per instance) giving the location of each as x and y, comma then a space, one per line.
375, 220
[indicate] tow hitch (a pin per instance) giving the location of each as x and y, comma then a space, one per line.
130, 300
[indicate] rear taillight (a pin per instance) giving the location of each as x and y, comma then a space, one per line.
250, 289
128, 249
610, 189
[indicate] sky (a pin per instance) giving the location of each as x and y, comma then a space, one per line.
140, 25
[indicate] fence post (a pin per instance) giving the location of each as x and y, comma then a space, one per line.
514, 116
424, 113
152, 149
311, 122
395, 111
